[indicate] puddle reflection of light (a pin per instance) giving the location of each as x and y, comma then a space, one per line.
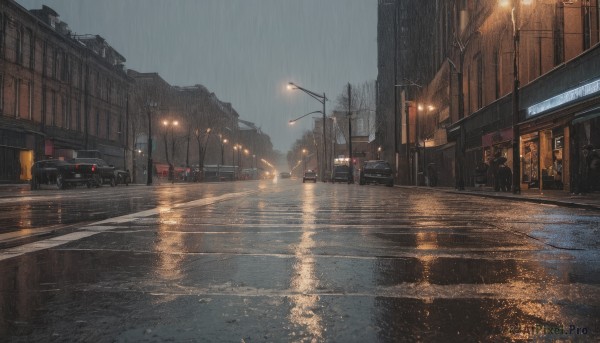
169, 243
304, 281
25, 218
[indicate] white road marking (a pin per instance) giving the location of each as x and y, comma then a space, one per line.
98, 227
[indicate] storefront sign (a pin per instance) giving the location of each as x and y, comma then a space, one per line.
563, 98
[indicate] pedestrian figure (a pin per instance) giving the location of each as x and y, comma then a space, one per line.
496, 163
504, 178
431, 175
592, 168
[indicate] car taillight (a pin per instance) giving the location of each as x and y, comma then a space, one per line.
93, 167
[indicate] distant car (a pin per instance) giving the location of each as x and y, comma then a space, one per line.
309, 175
341, 174
105, 173
62, 174
285, 175
376, 171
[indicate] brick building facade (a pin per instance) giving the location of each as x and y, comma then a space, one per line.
59, 92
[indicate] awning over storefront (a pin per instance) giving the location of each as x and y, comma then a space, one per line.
496, 137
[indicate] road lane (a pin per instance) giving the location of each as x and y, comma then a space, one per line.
302, 262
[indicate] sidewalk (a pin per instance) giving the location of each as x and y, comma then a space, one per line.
554, 197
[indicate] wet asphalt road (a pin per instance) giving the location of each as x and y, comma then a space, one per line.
285, 261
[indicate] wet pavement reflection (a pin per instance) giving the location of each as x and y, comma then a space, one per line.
306, 263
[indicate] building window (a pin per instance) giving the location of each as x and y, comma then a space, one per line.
23, 99
2, 34
559, 34
497, 73
54, 63
31, 49
65, 112
45, 59
97, 123
17, 97
479, 61
19, 45
78, 114
44, 106
1, 92
107, 125
53, 110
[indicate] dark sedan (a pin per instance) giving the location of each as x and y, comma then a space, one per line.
309, 175
62, 174
105, 172
341, 174
376, 171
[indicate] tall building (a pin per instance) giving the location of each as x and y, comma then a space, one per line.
59, 92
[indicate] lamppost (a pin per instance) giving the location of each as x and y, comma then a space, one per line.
516, 144
420, 108
170, 125
407, 127
379, 153
149, 169
293, 121
322, 99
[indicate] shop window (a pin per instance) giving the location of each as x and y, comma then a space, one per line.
26, 159
530, 162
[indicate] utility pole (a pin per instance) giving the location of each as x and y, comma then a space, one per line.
350, 162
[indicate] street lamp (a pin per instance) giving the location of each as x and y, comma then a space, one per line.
322, 99
293, 121
379, 153
515, 12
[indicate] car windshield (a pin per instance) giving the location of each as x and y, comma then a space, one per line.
377, 165
90, 160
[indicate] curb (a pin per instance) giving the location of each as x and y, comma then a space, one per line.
563, 203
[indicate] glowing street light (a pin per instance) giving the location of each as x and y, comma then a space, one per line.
322, 99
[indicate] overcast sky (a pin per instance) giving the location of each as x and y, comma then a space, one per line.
245, 51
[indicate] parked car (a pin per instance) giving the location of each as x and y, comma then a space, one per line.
341, 174
310, 176
376, 171
285, 175
105, 173
62, 174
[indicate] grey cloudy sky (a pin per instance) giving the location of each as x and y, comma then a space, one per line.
245, 51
